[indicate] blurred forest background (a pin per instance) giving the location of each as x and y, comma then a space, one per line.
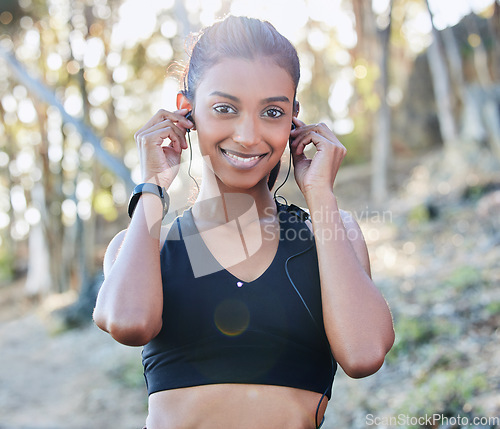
412, 89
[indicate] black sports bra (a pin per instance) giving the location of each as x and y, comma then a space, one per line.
218, 329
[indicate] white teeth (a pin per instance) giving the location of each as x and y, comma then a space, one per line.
239, 158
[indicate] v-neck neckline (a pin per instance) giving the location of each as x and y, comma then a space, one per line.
192, 229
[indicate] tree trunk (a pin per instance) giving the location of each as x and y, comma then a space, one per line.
183, 16
442, 89
366, 30
10, 247
381, 148
39, 279
492, 120
45, 198
480, 55
494, 29
455, 60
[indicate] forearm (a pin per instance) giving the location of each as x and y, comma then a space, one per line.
130, 302
357, 319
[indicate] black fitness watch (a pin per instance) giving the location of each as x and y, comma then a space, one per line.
150, 188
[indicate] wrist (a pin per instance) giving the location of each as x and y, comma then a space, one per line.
156, 181
163, 179
320, 197
159, 193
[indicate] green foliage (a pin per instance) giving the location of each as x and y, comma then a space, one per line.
493, 308
474, 192
358, 150
463, 278
412, 333
445, 392
6, 265
105, 206
129, 373
419, 215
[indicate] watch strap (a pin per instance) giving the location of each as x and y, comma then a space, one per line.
149, 188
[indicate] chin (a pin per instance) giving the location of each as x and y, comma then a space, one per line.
243, 182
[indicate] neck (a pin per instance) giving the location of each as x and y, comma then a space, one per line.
218, 203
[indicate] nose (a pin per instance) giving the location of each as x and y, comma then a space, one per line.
246, 132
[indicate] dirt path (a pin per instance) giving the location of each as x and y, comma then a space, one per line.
71, 380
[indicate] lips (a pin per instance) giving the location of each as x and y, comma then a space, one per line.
242, 160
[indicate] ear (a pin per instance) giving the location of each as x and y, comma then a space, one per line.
183, 102
296, 108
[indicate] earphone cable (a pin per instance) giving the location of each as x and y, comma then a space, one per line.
317, 327
284, 181
191, 159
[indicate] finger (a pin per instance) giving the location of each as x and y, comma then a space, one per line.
180, 117
173, 120
297, 157
318, 134
174, 144
181, 132
165, 125
159, 116
321, 129
162, 115
169, 123
298, 123
300, 142
156, 138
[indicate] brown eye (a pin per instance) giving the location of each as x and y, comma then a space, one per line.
273, 113
224, 109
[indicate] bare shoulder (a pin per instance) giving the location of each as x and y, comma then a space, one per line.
355, 236
350, 224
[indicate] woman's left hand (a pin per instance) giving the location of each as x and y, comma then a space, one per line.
318, 173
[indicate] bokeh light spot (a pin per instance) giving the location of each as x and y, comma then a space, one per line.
232, 317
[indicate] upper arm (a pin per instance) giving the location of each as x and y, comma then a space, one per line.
355, 236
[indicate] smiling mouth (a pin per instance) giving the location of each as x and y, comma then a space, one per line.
242, 157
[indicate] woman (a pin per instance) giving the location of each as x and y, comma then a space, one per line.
244, 308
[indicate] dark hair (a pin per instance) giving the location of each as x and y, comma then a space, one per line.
240, 37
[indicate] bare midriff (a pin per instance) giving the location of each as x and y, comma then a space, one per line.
242, 406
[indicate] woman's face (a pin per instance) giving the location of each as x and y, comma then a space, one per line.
243, 112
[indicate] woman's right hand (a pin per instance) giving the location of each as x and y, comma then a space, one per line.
160, 164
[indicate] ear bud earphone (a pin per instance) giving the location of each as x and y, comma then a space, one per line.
189, 117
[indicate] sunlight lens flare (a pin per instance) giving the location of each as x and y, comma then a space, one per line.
232, 317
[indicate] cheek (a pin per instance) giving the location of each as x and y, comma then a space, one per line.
207, 140
280, 141
211, 134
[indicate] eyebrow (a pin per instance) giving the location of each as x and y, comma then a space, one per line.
276, 99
